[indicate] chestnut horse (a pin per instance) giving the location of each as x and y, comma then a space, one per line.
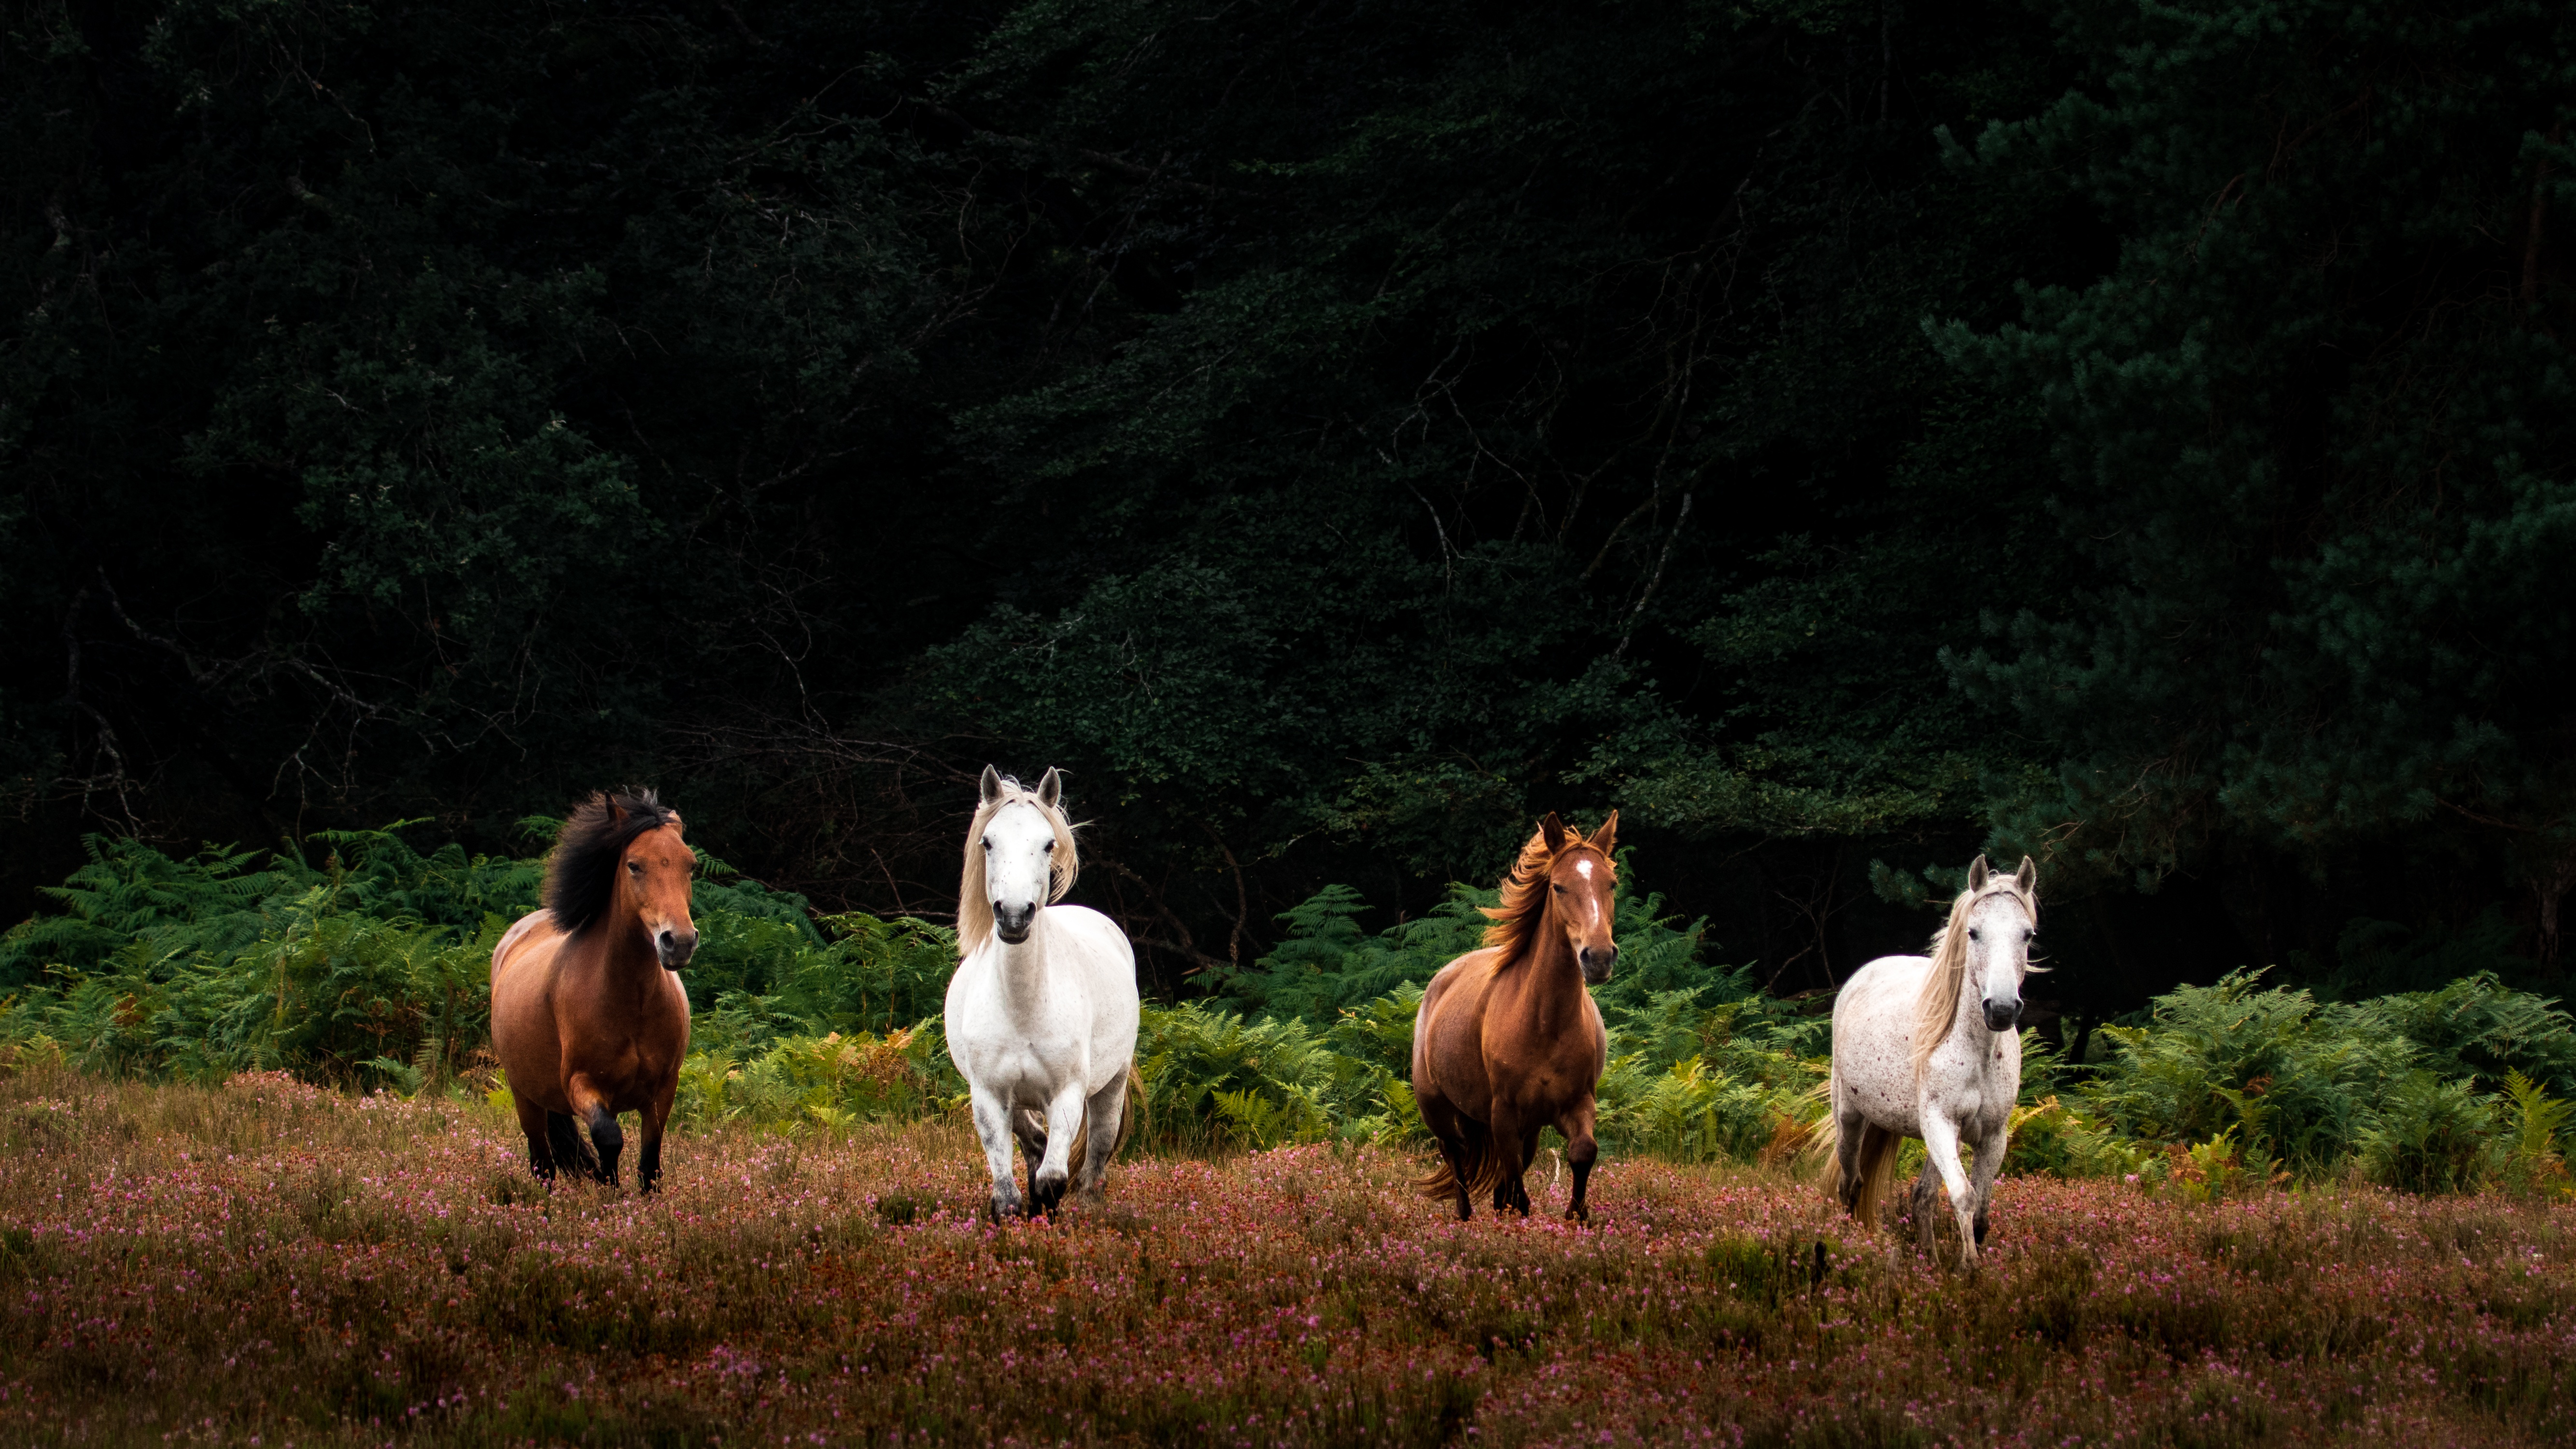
1508, 1040
588, 1017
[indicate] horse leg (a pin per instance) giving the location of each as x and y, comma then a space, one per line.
1459, 1154
1851, 1131
532, 1121
1505, 1143
590, 1106
1063, 1124
1941, 1142
1030, 1129
1529, 1155
1983, 1169
1105, 1116
657, 1113
993, 1129
1580, 1152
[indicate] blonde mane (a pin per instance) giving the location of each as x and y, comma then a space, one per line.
1937, 1009
974, 902
1524, 904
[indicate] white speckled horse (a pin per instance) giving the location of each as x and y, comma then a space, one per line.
1917, 1053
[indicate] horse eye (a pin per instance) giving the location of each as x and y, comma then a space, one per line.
635, 866
1972, 934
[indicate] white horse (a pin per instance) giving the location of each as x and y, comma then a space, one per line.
1917, 1053
1042, 1011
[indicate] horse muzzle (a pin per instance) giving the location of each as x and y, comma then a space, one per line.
1013, 924
2002, 1015
1597, 963
675, 947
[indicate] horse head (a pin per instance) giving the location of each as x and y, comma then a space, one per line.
1583, 890
619, 857
1026, 850
653, 882
2000, 923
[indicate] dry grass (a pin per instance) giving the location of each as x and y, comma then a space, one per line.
265, 1264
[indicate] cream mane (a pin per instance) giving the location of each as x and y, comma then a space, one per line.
974, 902
1937, 1009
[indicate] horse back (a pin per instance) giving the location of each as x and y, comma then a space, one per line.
1873, 1048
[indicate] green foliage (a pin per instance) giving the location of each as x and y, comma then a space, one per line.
1213, 1077
2321, 490
2396, 1080
375, 967
827, 1082
2432, 1135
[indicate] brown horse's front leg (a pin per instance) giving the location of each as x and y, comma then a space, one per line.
1581, 1151
648, 1162
590, 1106
1511, 1156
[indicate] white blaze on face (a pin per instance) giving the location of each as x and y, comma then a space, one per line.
1583, 868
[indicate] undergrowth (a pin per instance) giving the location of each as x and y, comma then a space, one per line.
269, 1262
368, 969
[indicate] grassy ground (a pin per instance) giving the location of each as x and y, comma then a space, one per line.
266, 1264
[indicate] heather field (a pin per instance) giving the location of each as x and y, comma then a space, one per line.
265, 1263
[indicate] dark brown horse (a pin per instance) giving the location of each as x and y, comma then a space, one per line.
588, 1017
1508, 1040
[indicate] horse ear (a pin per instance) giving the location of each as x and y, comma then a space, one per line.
2028, 875
1606, 839
1553, 830
991, 785
1977, 873
616, 812
1050, 788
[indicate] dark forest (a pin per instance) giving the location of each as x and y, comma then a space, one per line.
1844, 437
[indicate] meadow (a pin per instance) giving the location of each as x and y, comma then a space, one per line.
264, 1262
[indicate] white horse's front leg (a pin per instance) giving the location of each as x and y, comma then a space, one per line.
1983, 1170
993, 1126
1063, 1120
1941, 1144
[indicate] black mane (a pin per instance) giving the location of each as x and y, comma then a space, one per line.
581, 875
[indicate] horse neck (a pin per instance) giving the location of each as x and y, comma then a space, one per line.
1553, 988
1968, 1023
625, 948
1026, 983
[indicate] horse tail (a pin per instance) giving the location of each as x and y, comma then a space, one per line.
1874, 1166
1823, 1144
1484, 1171
566, 1145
